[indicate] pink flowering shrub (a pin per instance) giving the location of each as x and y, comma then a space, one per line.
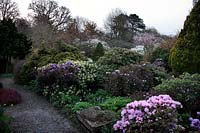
156, 114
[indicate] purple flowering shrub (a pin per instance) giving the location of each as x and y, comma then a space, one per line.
156, 114
64, 75
129, 79
195, 123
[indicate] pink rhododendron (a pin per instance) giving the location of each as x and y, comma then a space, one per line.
143, 111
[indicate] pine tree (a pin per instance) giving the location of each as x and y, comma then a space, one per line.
185, 55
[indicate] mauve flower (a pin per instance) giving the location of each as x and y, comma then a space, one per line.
149, 107
198, 113
190, 118
146, 110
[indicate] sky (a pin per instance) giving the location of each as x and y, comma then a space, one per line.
167, 16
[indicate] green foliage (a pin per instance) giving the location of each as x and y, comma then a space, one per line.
183, 120
117, 57
115, 104
160, 53
159, 73
98, 97
185, 55
184, 89
13, 44
87, 76
43, 57
90, 76
98, 52
87, 48
4, 122
81, 105
62, 47
61, 97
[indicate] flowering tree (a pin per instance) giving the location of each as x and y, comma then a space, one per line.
157, 114
149, 39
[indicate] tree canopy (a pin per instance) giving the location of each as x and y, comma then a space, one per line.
185, 54
12, 43
123, 26
47, 12
8, 9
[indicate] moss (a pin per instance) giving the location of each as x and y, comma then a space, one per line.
185, 55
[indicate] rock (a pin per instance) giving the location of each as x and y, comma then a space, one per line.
94, 118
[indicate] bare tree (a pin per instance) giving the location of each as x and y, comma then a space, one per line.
90, 29
47, 12
8, 9
42, 34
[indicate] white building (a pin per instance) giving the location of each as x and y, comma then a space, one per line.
139, 49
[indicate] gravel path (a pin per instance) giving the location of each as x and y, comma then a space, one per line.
35, 114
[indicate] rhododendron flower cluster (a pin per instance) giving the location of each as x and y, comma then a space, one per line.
195, 123
153, 110
64, 66
57, 74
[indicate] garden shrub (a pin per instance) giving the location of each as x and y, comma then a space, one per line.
91, 76
183, 119
87, 77
98, 52
160, 53
4, 122
185, 89
185, 54
118, 57
64, 75
9, 97
129, 79
62, 47
156, 114
62, 97
87, 49
99, 96
159, 73
115, 103
160, 58
81, 105
43, 57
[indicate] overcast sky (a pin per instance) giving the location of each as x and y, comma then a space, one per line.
167, 16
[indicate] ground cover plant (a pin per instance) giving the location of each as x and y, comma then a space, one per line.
4, 122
